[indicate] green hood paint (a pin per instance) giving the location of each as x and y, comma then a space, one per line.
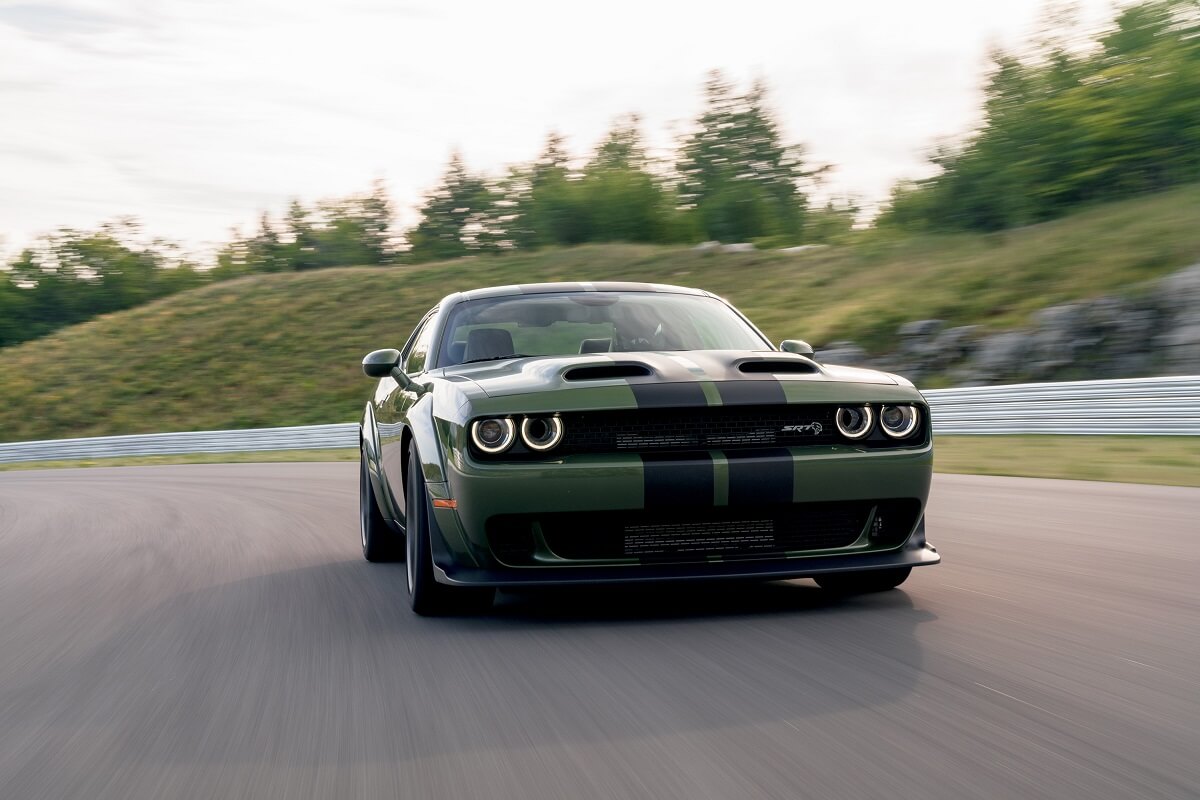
546, 373
539, 384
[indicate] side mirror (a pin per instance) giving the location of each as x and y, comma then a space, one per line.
380, 363
800, 348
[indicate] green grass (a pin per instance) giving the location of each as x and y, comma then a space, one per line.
284, 349
1166, 460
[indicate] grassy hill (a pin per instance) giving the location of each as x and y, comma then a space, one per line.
284, 349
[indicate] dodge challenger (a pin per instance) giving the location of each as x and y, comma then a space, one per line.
613, 432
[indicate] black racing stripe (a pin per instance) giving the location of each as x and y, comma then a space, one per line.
758, 477
669, 395
673, 480
763, 391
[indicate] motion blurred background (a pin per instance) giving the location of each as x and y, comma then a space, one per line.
192, 194
210, 210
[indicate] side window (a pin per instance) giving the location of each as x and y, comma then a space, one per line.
414, 361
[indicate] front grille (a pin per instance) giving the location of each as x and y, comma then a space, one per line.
702, 538
650, 430
675, 536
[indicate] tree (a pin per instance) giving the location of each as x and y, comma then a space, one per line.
615, 197
265, 250
1069, 121
549, 206
14, 311
300, 250
451, 223
735, 173
354, 230
831, 223
71, 276
621, 198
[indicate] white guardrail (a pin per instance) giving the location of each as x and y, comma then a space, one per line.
1137, 406
1140, 406
303, 437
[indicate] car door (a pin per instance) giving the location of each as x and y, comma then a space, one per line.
391, 413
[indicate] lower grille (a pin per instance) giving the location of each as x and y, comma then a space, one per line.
702, 538
728, 532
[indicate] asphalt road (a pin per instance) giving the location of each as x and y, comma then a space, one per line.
211, 631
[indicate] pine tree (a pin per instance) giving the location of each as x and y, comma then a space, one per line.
450, 216
735, 173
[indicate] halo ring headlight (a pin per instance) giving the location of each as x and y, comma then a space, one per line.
542, 433
854, 422
899, 422
493, 435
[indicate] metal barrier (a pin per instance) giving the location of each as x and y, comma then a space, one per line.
1141, 406
302, 437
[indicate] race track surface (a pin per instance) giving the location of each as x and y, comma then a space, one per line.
211, 631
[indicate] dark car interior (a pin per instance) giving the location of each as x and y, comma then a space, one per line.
572, 324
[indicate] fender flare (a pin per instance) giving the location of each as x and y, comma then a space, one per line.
442, 560
368, 436
423, 431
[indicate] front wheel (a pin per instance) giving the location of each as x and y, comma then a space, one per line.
379, 541
874, 580
427, 596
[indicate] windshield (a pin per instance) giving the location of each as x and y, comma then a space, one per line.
591, 322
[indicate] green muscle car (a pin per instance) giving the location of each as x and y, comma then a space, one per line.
612, 432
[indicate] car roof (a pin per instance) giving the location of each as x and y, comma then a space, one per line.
551, 288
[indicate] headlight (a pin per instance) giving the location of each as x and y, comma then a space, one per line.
541, 433
899, 421
854, 422
493, 435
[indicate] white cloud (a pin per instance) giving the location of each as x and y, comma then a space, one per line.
196, 115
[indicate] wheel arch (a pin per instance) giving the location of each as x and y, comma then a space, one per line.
420, 432
368, 436
369, 447
406, 439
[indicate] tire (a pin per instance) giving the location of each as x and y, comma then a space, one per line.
874, 580
379, 541
427, 596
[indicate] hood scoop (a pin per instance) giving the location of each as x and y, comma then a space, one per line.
602, 372
776, 366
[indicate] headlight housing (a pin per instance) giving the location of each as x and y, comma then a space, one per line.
542, 433
493, 435
899, 422
854, 422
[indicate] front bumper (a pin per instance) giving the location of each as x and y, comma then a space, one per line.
688, 483
458, 575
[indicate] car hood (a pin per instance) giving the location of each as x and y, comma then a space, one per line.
518, 376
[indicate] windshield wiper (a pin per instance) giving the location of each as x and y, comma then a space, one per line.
496, 358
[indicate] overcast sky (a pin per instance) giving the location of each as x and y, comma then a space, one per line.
195, 116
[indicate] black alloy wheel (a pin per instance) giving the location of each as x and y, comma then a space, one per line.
427, 596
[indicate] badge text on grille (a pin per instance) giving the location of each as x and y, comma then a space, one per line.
814, 428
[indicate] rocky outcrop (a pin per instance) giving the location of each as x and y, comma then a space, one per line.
1107, 337
1179, 298
842, 353
927, 347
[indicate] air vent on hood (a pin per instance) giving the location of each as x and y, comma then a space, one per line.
602, 372
781, 365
